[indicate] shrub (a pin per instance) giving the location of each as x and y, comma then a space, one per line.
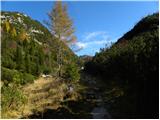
16, 77
8, 74
46, 70
72, 72
8, 62
27, 78
12, 98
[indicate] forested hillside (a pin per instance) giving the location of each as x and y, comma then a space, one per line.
132, 64
28, 50
27, 46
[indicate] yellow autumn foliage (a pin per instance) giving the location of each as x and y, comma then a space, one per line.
13, 32
23, 35
7, 26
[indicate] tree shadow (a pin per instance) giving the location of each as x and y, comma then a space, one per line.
69, 110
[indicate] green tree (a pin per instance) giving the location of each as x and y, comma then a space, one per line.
27, 63
19, 58
72, 73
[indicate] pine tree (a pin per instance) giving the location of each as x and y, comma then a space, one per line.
61, 27
19, 58
27, 63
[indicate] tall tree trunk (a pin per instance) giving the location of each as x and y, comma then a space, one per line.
59, 59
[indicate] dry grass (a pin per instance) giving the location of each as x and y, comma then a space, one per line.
38, 84
41, 94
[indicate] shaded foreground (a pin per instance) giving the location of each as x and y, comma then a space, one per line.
90, 104
96, 101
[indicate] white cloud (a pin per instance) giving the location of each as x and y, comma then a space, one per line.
92, 42
98, 42
93, 38
81, 45
93, 35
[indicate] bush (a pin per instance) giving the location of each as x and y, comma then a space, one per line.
16, 77
8, 62
72, 72
27, 78
8, 74
46, 70
12, 98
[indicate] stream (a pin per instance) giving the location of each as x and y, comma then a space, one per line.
99, 111
95, 93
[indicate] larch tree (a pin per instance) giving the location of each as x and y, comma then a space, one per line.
61, 27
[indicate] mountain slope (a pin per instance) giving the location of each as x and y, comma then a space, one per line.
132, 64
28, 50
28, 46
147, 24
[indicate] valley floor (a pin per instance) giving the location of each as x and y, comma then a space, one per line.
42, 94
52, 98
87, 101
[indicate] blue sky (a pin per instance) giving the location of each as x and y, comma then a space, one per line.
96, 23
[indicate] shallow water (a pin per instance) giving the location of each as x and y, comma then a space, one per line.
98, 113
